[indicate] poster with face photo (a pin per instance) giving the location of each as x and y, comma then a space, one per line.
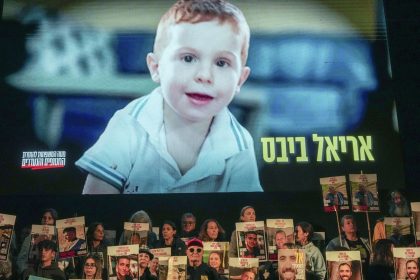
71, 237
279, 232
216, 256
136, 233
344, 265
177, 268
7, 223
399, 230
334, 193
243, 268
123, 261
251, 240
406, 263
39, 233
162, 255
364, 192
291, 264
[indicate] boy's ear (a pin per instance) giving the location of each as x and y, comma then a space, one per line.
244, 76
153, 65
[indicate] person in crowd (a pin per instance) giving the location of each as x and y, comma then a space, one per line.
211, 230
351, 240
216, 261
49, 216
247, 214
154, 267
381, 266
252, 249
248, 274
286, 266
170, 239
398, 207
140, 217
145, 256
196, 268
92, 267
96, 242
122, 268
345, 271
412, 269
188, 226
315, 263
47, 267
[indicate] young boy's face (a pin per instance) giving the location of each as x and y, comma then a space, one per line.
200, 69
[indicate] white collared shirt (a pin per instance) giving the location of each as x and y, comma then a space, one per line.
132, 156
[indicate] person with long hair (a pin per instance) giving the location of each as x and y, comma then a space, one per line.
140, 217
92, 267
211, 230
170, 239
382, 261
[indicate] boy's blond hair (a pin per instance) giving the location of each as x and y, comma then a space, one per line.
195, 11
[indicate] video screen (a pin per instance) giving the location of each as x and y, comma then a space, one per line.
97, 100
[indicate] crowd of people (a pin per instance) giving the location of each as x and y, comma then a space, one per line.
376, 262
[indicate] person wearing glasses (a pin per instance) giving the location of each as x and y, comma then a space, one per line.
197, 269
188, 226
169, 239
92, 268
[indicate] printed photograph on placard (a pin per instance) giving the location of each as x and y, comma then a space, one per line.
399, 230
344, 265
406, 262
160, 260
123, 262
7, 223
39, 233
291, 264
177, 268
279, 232
364, 192
415, 210
136, 233
243, 268
334, 193
251, 240
71, 237
216, 256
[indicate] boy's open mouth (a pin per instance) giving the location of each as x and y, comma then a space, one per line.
200, 97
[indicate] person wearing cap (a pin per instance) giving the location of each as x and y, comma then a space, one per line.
197, 269
46, 268
145, 256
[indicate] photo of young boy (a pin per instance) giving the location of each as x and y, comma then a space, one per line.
182, 137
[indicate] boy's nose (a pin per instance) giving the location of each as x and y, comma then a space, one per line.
204, 75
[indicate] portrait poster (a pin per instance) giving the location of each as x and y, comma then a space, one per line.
291, 264
251, 240
334, 193
136, 233
7, 223
279, 232
39, 233
71, 237
344, 265
406, 262
415, 211
123, 261
399, 230
364, 192
242, 266
177, 268
162, 254
216, 256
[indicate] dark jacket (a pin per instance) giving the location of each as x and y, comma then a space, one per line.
178, 247
147, 275
196, 273
50, 272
